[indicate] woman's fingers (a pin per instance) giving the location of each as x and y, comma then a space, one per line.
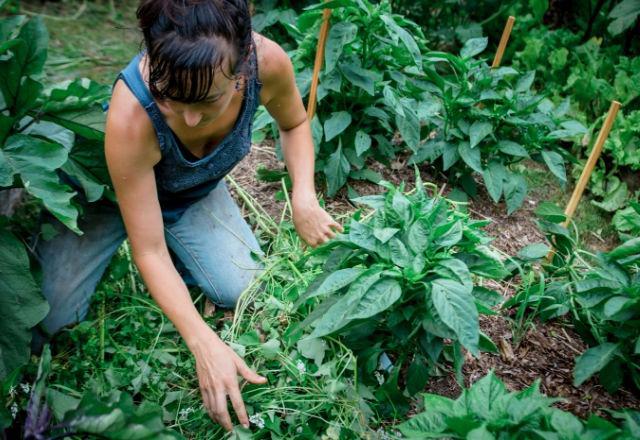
221, 412
238, 405
246, 372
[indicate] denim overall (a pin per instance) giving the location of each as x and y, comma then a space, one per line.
203, 226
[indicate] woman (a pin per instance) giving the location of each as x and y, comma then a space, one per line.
179, 120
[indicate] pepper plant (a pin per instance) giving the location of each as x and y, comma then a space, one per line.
599, 293
488, 410
397, 285
489, 120
369, 88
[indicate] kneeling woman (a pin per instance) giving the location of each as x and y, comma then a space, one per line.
179, 120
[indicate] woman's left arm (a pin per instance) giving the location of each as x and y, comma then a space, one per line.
283, 101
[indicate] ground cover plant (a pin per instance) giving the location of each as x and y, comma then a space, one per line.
406, 278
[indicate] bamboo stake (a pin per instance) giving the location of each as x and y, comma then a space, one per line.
589, 166
322, 41
591, 162
506, 33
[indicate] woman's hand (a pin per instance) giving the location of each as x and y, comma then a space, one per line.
314, 224
218, 367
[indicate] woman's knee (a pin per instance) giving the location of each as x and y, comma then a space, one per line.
226, 291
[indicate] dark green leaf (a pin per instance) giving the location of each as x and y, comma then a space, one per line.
457, 309
470, 156
340, 35
592, 361
478, 131
473, 47
337, 169
336, 124
556, 165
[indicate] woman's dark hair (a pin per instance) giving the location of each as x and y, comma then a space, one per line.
188, 40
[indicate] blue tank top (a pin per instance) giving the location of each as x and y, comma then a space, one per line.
182, 178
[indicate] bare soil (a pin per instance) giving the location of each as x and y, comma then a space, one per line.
546, 352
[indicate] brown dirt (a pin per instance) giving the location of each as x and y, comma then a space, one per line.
547, 351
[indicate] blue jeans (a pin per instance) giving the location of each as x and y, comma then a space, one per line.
211, 244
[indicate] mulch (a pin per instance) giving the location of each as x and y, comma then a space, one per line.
546, 352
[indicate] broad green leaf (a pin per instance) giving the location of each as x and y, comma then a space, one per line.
362, 235
336, 169
456, 307
359, 77
427, 424
616, 304
34, 33
470, 156
481, 433
449, 155
409, 127
418, 236
384, 234
592, 361
312, 349
478, 131
399, 253
401, 206
337, 316
483, 395
336, 124
550, 212
515, 190
473, 47
534, 251
335, 281
382, 295
36, 161
27, 96
11, 71
76, 105
525, 82
625, 15
362, 142
626, 249
566, 424
397, 32
494, 177
340, 35
512, 149
417, 375
556, 165
447, 235
21, 303
456, 270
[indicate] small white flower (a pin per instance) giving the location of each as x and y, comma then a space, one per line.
299, 430
25, 388
301, 367
379, 377
257, 420
184, 412
382, 434
12, 391
14, 410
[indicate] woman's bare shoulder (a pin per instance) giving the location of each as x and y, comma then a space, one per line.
274, 65
128, 123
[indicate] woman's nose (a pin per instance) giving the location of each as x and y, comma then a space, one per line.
192, 118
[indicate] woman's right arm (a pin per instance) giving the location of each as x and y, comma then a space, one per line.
131, 151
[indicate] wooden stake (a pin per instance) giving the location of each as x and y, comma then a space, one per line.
322, 41
591, 162
589, 166
503, 41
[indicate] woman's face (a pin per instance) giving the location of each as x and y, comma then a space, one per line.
202, 113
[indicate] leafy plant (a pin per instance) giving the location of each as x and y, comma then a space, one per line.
490, 119
488, 410
404, 278
114, 416
49, 136
369, 88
